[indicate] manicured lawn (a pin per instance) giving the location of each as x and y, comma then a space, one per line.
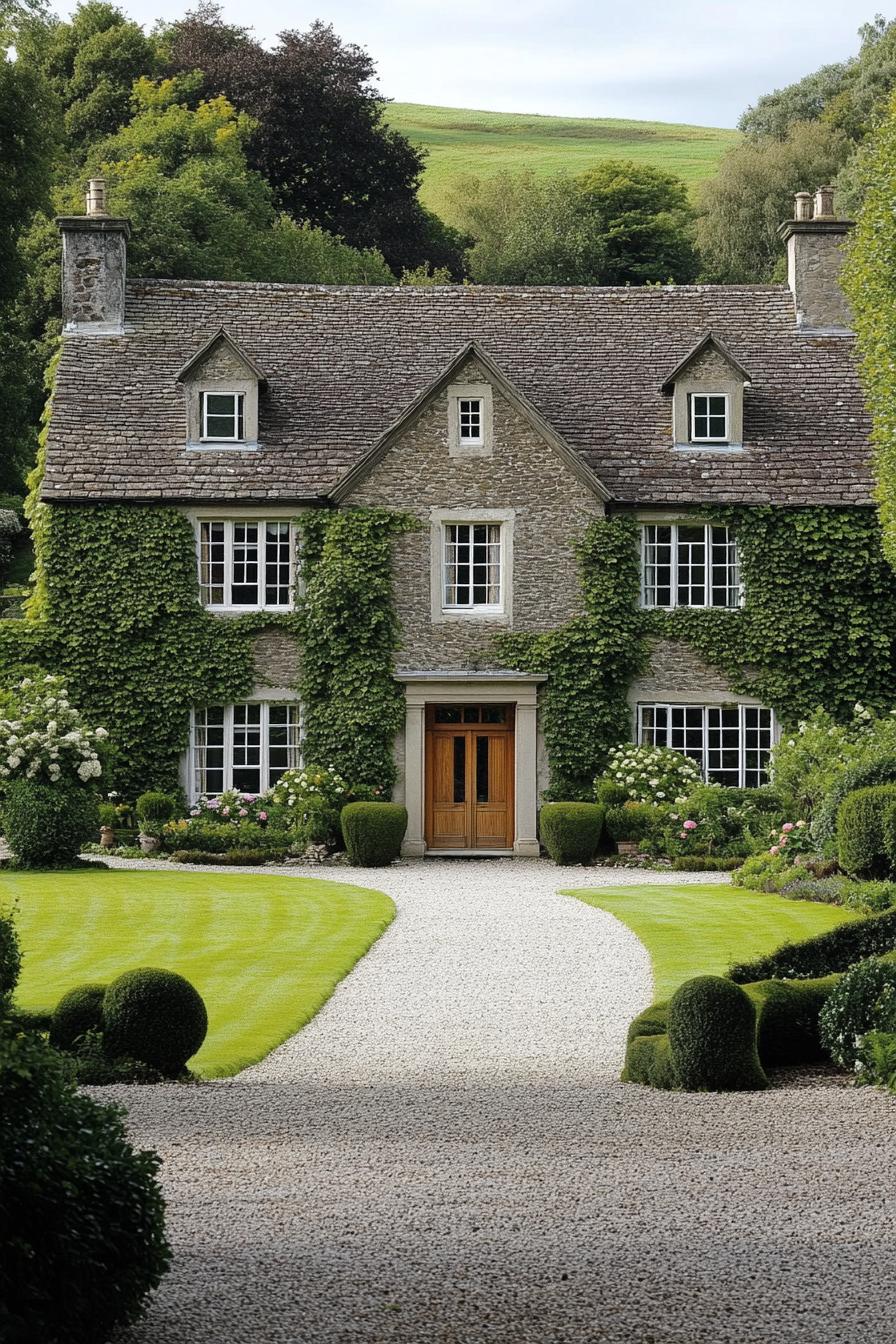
264, 952
701, 930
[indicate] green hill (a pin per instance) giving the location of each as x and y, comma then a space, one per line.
462, 141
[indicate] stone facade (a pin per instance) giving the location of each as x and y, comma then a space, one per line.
551, 507
677, 672
814, 259
275, 660
93, 273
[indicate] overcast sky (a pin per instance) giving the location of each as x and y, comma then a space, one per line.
683, 60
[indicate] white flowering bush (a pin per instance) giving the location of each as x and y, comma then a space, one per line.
312, 799
47, 740
650, 774
863, 1000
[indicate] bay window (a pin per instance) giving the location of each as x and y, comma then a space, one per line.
246, 564
689, 565
245, 747
730, 743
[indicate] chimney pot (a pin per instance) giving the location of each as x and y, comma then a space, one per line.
824, 203
96, 196
802, 205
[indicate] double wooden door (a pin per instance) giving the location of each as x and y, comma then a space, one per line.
469, 776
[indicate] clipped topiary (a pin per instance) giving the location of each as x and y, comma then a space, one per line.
82, 1232
76, 1013
155, 1016
631, 821
10, 957
863, 1000
155, 807
788, 1011
836, 950
862, 776
46, 824
861, 838
571, 832
712, 1035
373, 832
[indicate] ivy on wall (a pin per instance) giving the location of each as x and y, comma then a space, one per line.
352, 705
819, 623
591, 661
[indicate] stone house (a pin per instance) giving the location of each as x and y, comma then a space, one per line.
505, 419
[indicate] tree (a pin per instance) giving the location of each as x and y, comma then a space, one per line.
320, 137
752, 193
90, 65
806, 100
869, 278
620, 223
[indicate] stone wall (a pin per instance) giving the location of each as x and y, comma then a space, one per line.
275, 660
551, 505
677, 672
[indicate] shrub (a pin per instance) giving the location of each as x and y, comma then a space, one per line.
220, 837
155, 1016
82, 1237
862, 775
754, 871
704, 863
312, 800
806, 764
712, 1036
860, 830
836, 950
609, 793
373, 832
652, 774
76, 1013
877, 1057
46, 824
233, 858
108, 815
571, 832
889, 828
10, 958
155, 808
863, 1000
632, 821
92, 1067
47, 740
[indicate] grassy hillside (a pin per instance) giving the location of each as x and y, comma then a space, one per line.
461, 141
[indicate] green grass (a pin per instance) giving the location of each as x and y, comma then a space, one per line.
462, 141
701, 930
264, 952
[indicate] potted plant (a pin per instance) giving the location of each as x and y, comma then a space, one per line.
153, 810
628, 825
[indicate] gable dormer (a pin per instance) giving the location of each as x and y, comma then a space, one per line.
707, 390
221, 384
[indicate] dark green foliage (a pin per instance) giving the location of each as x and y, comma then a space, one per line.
704, 863
863, 1000
233, 858
571, 832
76, 1013
26, 1020
609, 793
352, 704
155, 807
836, 950
108, 815
10, 957
787, 1019
82, 1234
220, 837
590, 662
373, 832
861, 846
631, 821
93, 1067
154, 1016
863, 775
712, 1036
889, 827
46, 824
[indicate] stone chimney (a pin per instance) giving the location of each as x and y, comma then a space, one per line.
814, 239
94, 267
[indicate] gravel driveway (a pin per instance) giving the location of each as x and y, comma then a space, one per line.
444, 1156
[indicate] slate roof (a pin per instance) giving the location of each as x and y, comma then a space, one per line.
344, 363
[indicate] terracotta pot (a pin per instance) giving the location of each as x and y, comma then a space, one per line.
148, 843
107, 837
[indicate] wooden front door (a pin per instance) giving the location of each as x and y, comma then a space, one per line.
469, 776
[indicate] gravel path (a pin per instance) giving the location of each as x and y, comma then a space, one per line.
444, 1157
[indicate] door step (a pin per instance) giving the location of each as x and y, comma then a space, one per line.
469, 854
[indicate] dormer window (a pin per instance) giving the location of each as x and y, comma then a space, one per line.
709, 417
223, 419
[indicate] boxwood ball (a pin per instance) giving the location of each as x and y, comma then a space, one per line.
155, 1016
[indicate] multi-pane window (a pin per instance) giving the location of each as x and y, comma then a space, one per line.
470, 419
471, 569
730, 743
223, 416
689, 565
709, 417
245, 747
246, 563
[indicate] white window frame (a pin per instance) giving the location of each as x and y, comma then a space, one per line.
733, 566
480, 608
266, 705
709, 438
470, 440
744, 711
483, 446
229, 523
239, 412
